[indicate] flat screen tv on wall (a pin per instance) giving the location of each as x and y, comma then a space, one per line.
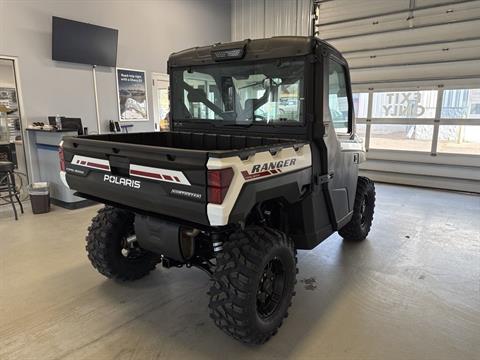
83, 43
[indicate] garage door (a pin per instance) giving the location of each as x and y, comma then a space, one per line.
415, 68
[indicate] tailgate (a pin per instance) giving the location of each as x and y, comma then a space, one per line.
166, 181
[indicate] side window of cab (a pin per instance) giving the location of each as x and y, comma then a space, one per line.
338, 103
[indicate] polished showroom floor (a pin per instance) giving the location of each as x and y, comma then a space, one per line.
410, 291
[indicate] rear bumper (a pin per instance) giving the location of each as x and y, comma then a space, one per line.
149, 197
171, 217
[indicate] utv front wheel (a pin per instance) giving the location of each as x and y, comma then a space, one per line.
112, 248
254, 284
359, 226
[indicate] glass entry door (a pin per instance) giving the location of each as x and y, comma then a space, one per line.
11, 139
12, 142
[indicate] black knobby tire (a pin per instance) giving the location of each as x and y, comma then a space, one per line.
107, 238
239, 300
359, 226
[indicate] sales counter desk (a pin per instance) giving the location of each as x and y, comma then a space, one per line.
44, 147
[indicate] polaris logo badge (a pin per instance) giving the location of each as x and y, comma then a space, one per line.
122, 181
273, 165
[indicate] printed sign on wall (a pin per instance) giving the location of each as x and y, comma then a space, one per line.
132, 95
404, 104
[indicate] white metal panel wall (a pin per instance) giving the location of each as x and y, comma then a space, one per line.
304, 8
281, 17
253, 19
248, 19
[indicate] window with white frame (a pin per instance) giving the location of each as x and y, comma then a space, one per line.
433, 121
360, 104
408, 135
457, 136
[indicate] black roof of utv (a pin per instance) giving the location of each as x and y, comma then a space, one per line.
258, 49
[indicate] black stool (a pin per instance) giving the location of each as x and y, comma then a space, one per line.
7, 184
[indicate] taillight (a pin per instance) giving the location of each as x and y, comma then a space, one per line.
61, 156
218, 183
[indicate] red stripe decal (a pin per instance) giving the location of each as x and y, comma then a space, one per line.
99, 166
146, 174
176, 179
168, 177
248, 176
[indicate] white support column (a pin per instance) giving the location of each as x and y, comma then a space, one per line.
369, 120
94, 73
436, 122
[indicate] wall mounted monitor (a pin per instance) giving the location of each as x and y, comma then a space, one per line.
78, 42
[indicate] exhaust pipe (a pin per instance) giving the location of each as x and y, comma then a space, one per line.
165, 238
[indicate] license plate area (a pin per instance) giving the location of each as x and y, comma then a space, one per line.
119, 165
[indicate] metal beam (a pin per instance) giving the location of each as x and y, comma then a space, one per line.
447, 78
399, 30
394, 12
437, 42
436, 125
412, 64
411, 15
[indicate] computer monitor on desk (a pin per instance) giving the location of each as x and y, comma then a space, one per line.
68, 123
72, 123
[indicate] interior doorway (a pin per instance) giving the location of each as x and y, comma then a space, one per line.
161, 103
12, 141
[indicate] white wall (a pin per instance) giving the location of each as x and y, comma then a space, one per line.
148, 32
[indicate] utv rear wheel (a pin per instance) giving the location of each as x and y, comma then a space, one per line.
359, 226
112, 248
254, 282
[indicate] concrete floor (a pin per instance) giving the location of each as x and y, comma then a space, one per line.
411, 291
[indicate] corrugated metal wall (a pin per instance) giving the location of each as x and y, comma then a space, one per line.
395, 41
265, 18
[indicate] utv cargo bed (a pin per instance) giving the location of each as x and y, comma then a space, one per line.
161, 173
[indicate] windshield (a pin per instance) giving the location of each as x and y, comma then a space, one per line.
261, 93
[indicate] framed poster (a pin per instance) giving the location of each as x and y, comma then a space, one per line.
132, 95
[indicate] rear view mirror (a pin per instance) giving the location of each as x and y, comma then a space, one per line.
269, 83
